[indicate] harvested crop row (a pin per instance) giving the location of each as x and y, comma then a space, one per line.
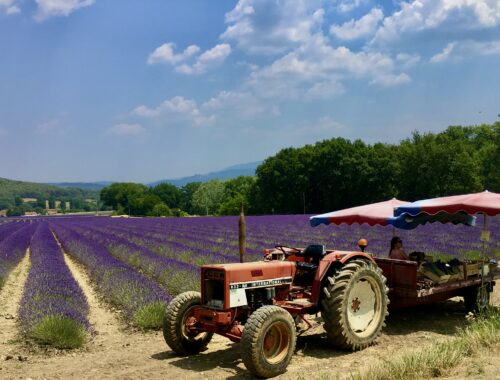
175, 276
53, 309
142, 300
13, 248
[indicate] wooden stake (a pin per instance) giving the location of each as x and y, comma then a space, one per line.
242, 234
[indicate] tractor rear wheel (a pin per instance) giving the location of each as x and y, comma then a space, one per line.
178, 318
354, 305
268, 341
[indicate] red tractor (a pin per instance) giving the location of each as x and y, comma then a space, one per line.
260, 304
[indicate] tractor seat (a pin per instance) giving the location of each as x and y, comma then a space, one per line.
314, 251
306, 266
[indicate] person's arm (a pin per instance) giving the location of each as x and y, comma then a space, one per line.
404, 255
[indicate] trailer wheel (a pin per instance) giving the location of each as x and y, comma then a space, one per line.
354, 305
178, 315
477, 298
268, 341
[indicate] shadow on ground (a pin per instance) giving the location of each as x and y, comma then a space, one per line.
443, 318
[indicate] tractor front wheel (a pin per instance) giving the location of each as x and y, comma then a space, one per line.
354, 305
178, 318
268, 341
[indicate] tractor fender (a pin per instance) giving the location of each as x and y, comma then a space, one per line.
337, 258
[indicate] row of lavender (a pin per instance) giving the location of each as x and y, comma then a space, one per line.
53, 309
141, 300
198, 241
14, 240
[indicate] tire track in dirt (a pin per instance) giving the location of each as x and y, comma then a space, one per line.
10, 297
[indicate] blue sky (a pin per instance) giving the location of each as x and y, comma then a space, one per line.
144, 90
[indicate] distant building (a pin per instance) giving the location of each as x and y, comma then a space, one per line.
29, 200
46, 205
89, 200
30, 213
67, 206
51, 211
3, 213
57, 205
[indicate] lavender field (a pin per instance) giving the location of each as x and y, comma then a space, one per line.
138, 264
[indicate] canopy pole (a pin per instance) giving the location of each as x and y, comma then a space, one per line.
484, 238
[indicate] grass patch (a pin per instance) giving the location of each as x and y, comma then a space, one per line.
59, 332
150, 317
437, 359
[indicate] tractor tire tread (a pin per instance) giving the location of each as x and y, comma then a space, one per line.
333, 308
250, 347
174, 316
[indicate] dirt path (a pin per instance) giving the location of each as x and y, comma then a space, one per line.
10, 296
117, 352
102, 320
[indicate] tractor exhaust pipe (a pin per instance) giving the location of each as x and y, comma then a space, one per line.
242, 234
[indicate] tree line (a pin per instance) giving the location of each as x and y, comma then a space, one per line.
333, 174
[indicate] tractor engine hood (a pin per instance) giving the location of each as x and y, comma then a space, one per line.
257, 274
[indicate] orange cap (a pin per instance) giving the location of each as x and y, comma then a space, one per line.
362, 242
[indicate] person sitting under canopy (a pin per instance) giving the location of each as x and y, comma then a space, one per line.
397, 251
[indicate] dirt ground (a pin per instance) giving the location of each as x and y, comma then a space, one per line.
120, 352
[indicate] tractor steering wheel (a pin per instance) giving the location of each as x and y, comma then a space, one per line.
282, 249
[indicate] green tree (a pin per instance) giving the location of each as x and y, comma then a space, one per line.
209, 196
186, 203
437, 165
125, 196
236, 192
161, 209
170, 194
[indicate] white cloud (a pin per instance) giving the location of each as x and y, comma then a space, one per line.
327, 124
407, 60
48, 127
272, 27
464, 49
346, 6
419, 15
127, 130
165, 54
241, 103
10, 7
316, 62
362, 28
209, 58
445, 54
325, 90
174, 111
388, 80
49, 8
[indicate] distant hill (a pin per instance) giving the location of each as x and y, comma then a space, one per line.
10, 189
234, 171
83, 185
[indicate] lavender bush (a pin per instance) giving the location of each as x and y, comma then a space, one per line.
53, 309
139, 298
6, 229
13, 248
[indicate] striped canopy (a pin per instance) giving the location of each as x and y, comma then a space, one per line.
486, 202
382, 213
